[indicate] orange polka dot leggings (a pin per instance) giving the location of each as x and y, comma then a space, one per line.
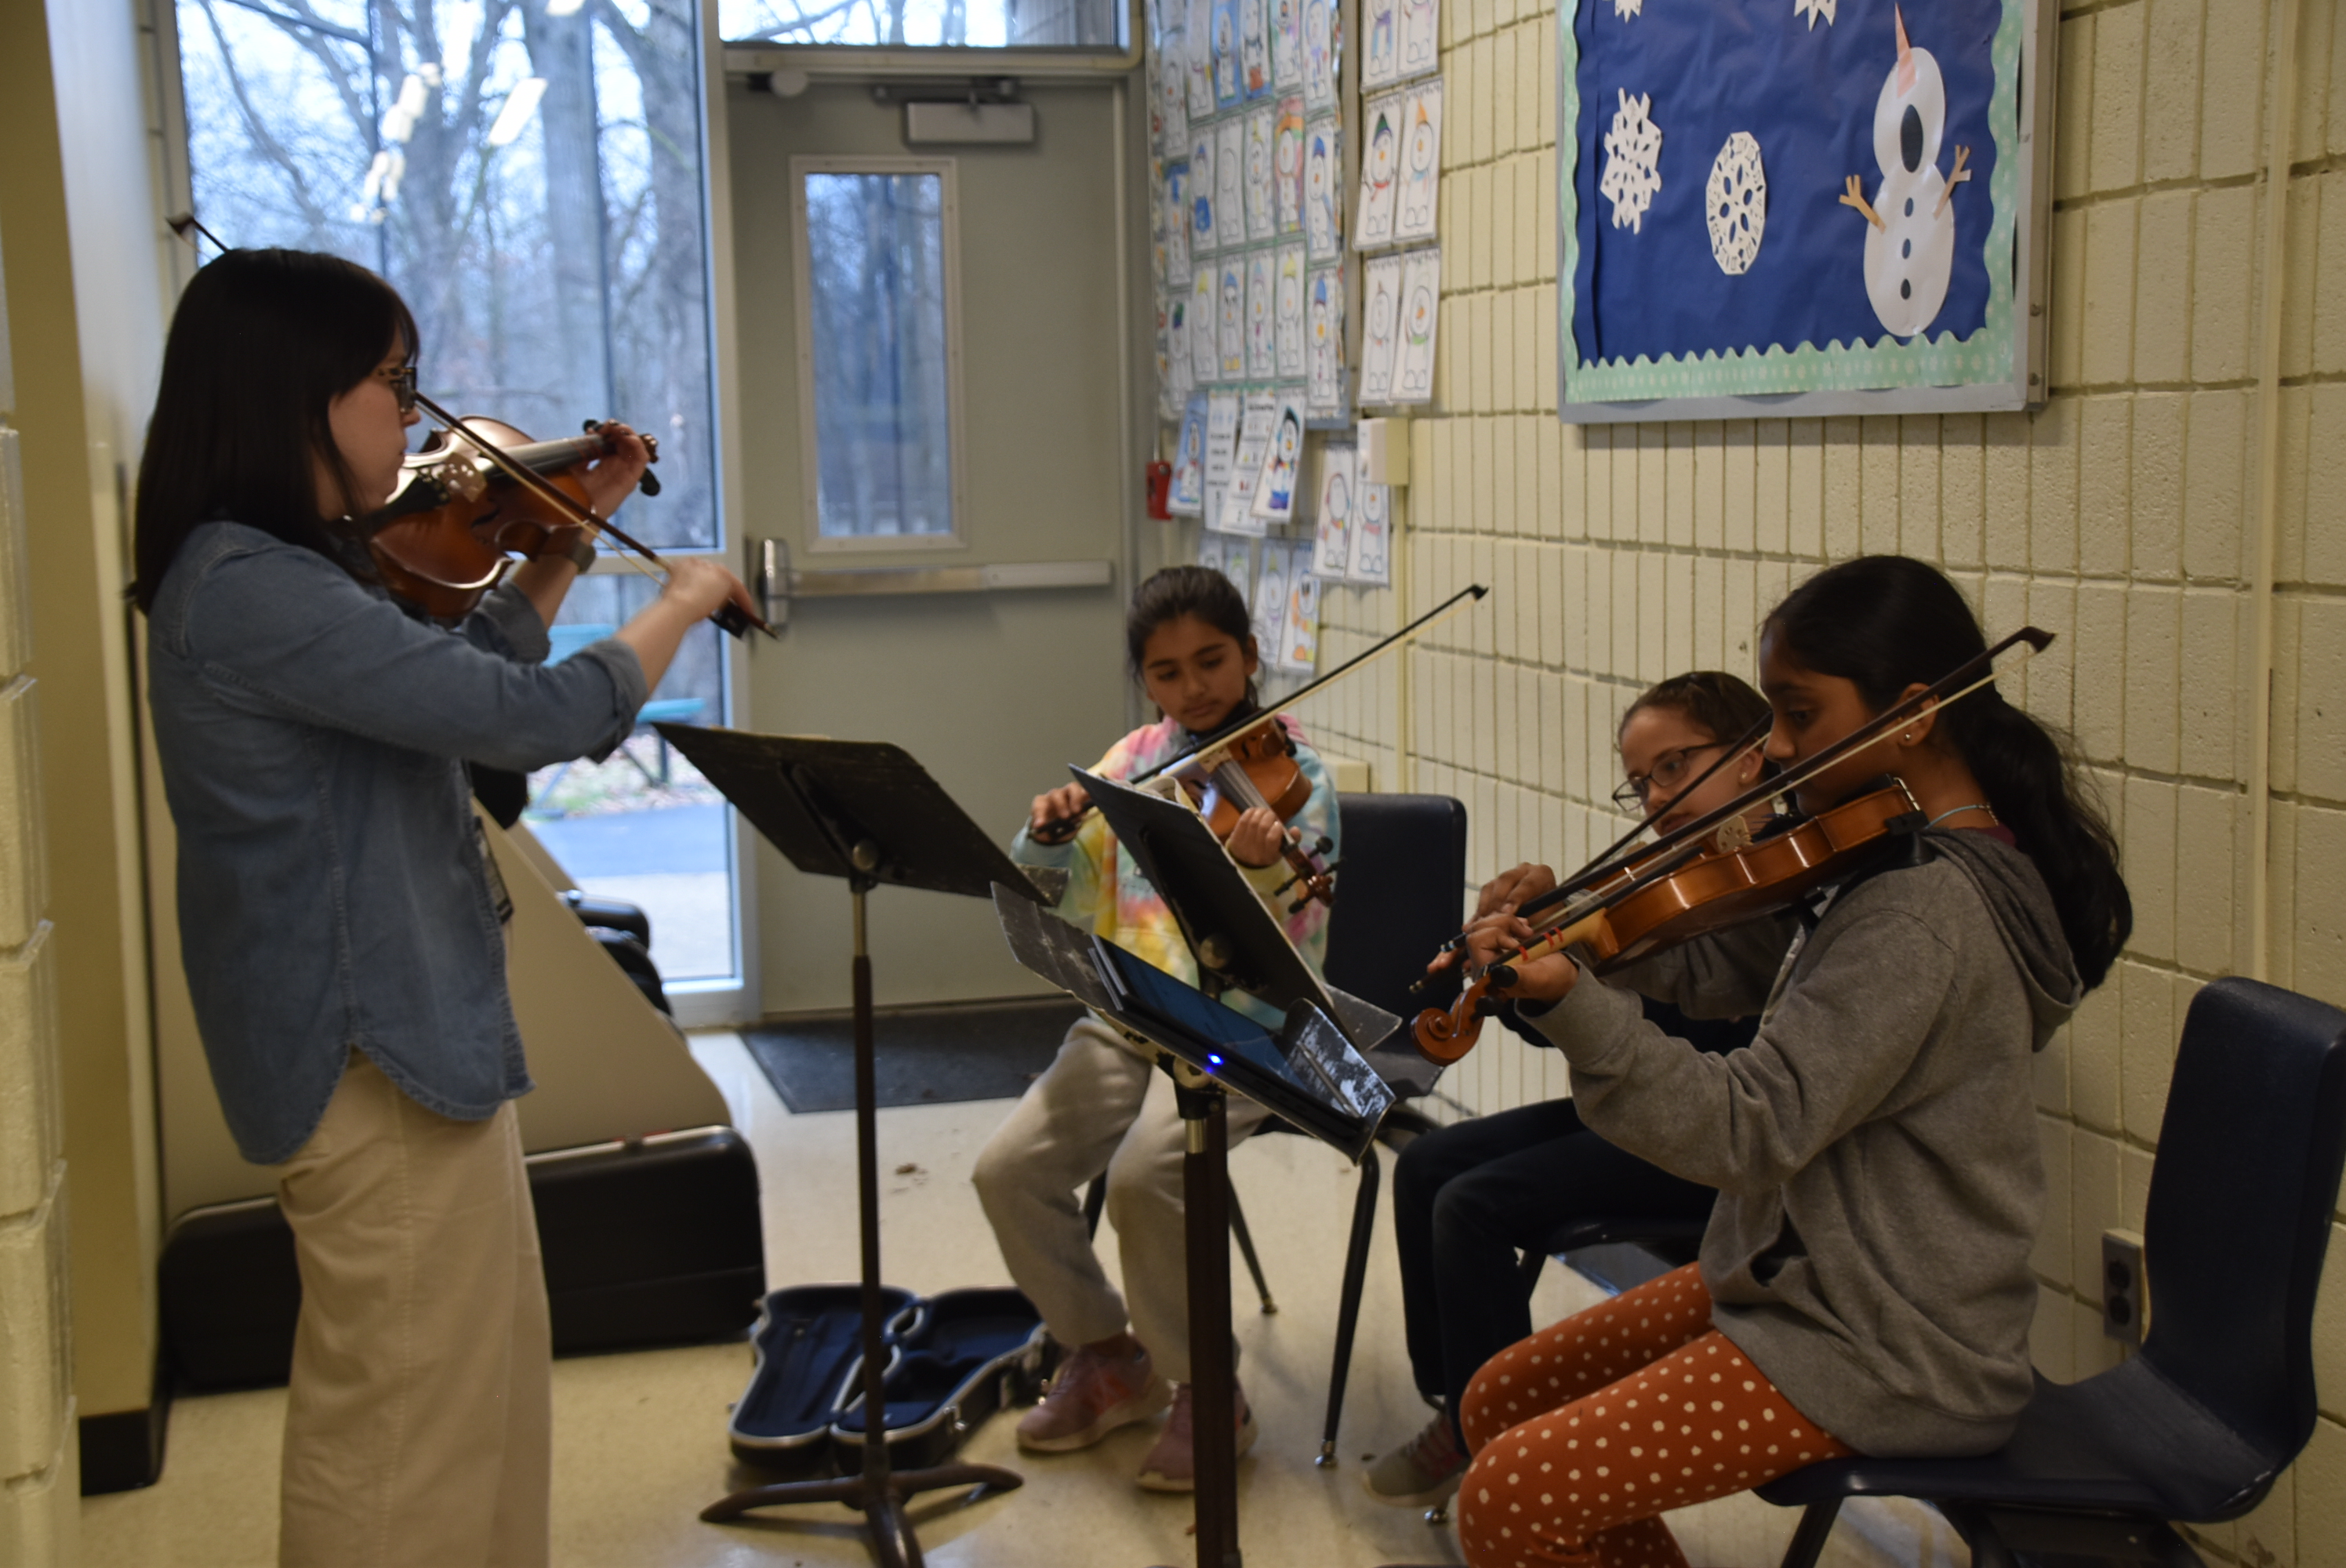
1585, 1432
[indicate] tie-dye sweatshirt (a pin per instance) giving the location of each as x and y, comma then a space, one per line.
1107, 895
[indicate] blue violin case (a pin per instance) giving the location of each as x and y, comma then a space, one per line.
953, 1359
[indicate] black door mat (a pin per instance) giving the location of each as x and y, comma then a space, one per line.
925, 1056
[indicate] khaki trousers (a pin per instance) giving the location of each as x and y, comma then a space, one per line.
418, 1425
1099, 1107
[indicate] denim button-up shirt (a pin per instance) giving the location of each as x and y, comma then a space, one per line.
312, 737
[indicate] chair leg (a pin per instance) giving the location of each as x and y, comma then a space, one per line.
1348, 1311
1246, 1248
1534, 1261
1095, 1201
1809, 1538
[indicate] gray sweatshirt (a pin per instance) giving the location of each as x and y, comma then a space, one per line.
1874, 1148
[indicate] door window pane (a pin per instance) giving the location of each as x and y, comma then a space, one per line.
879, 349
927, 24
530, 181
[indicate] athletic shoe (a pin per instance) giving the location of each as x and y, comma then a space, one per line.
1172, 1464
1422, 1472
1093, 1393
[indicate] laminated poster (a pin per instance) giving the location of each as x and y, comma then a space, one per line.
1231, 318
1254, 48
1421, 303
1419, 43
1323, 33
1380, 163
1230, 183
1270, 600
1287, 166
1421, 162
1324, 178
1286, 315
1227, 92
1381, 293
1168, 399
1299, 648
1204, 230
1186, 497
1178, 218
1379, 43
1282, 475
1181, 376
1332, 554
1262, 340
1256, 424
1371, 535
1210, 550
1199, 36
1205, 350
1237, 565
1173, 94
1262, 203
1323, 356
1221, 439
1286, 44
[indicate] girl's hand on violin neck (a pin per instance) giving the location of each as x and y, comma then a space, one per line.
1056, 806
1510, 891
612, 478
1259, 837
1492, 939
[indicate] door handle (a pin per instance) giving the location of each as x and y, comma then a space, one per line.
776, 584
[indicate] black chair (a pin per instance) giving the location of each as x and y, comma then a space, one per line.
2221, 1398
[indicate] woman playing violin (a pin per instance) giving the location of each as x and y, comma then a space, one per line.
1863, 1286
338, 914
1469, 1197
1101, 1106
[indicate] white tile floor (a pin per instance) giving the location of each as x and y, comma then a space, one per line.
639, 1439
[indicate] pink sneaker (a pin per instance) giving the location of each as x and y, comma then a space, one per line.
1093, 1393
1172, 1464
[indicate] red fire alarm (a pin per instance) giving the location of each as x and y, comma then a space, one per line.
1161, 482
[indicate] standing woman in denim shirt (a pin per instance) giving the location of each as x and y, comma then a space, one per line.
341, 940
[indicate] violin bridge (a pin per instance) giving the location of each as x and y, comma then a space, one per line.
463, 478
1733, 834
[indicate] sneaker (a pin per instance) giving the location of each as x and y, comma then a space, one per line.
1172, 1464
1422, 1472
1094, 1392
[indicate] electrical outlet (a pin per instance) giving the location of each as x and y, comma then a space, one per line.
2125, 1289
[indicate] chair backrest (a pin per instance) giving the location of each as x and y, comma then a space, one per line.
1401, 873
2240, 1208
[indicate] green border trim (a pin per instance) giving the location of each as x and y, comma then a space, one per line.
1989, 356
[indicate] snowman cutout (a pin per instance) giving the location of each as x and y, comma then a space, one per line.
1910, 243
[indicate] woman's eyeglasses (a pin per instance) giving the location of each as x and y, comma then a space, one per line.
403, 386
1669, 772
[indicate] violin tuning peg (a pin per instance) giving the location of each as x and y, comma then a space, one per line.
1326, 843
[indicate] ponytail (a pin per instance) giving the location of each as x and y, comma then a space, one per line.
1888, 622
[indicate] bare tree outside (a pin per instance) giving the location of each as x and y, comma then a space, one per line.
922, 23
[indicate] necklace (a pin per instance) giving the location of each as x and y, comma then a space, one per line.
1959, 811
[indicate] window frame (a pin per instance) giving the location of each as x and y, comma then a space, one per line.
803, 322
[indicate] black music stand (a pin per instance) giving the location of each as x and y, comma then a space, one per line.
1310, 1071
866, 812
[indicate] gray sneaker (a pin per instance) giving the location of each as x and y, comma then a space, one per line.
1422, 1472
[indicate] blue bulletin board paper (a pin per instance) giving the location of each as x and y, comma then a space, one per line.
1649, 311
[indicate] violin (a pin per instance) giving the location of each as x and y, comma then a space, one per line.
447, 534
1680, 890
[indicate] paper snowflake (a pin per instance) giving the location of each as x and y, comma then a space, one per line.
1735, 204
1625, 9
1812, 10
1633, 151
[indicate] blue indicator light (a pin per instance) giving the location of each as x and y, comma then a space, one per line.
1212, 1060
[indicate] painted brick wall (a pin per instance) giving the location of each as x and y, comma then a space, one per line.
2121, 516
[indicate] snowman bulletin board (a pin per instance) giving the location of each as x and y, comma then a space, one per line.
1800, 206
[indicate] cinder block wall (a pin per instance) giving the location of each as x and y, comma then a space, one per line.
40, 1484
2122, 517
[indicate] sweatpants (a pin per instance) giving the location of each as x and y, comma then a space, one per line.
1585, 1432
1099, 1107
419, 1421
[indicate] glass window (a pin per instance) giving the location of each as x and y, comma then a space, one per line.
927, 24
878, 351
528, 177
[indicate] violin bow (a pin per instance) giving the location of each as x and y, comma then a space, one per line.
1060, 828
1957, 683
736, 622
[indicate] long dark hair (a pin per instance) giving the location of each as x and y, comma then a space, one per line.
262, 343
1888, 622
1173, 592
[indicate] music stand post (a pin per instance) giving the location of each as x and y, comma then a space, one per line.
902, 828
